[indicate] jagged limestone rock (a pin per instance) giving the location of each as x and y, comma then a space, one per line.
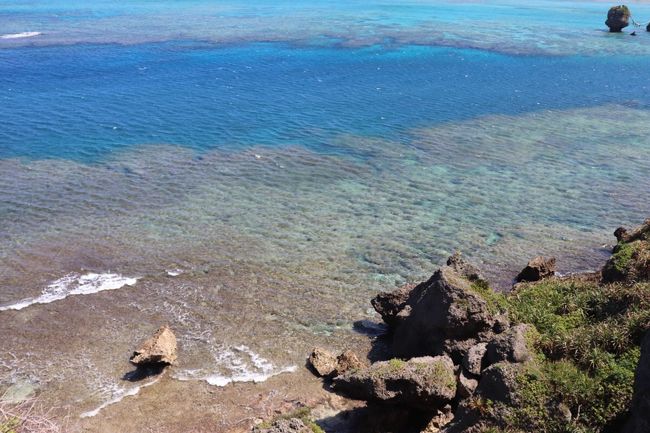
161, 348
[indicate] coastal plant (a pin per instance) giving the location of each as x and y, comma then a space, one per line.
303, 414
497, 302
582, 373
26, 417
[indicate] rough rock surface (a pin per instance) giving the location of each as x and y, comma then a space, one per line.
322, 361
326, 365
389, 304
161, 348
537, 269
510, 346
291, 425
464, 268
348, 361
499, 382
442, 417
640, 415
618, 17
443, 315
425, 382
466, 384
474, 361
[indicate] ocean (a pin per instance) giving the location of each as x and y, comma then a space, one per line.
251, 173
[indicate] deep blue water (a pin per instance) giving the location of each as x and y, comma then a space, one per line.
84, 101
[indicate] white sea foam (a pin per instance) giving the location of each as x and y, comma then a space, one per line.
74, 284
239, 364
20, 35
174, 272
119, 395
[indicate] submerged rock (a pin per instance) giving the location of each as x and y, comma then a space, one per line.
426, 382
618, 17
161, 348
18, 392
537, 269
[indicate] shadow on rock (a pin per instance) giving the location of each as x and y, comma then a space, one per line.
376, 419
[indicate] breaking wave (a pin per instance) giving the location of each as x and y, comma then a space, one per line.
74, 284
20, 35
239, 364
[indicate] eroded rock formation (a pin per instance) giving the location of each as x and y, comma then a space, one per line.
161, 348
537, 269
618, 17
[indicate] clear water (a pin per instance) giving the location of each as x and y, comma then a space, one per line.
285, 162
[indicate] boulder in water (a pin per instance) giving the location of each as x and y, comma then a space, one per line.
618, 18
161, 348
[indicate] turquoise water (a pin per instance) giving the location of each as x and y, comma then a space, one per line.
252, 173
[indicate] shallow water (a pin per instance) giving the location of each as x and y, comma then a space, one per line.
253, 174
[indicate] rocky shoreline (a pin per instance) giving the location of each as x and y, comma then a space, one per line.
555, 354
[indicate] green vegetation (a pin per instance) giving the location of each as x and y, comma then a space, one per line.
622, 256
497, 302
10, 425
396, 364
441, 374
586, 352
303, 414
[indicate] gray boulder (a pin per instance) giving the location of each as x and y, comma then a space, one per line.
474, 361
389, 304
466, 384
510, 346
499, 382
425, 383
443, 315
464, 268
